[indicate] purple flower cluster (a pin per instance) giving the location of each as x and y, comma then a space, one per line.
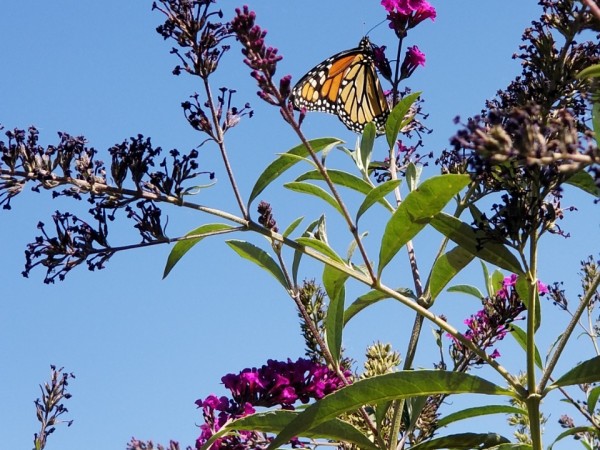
406, 14
260, 58
277, 383
492, 323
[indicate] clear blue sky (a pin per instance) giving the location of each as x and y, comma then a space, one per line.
144, 349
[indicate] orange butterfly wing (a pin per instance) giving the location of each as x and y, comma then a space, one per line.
346, 85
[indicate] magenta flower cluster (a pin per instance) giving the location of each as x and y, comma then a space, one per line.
277, 383
492, 323
406, 14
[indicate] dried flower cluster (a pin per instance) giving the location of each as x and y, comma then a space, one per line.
50, 407
72, 169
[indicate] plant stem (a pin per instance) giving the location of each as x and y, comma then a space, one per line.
221, 144
583, 304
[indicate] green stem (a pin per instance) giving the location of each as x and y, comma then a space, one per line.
583, 305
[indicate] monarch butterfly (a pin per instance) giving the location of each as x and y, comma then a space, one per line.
346, 85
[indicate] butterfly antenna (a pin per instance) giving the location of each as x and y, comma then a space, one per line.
372, 28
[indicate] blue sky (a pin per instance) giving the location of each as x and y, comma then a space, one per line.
144, 349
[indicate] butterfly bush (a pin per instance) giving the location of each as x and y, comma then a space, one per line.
517, 155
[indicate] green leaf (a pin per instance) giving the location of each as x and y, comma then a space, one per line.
368, 299
292, 226
419, 207
366, 146
512, 446
385, 388
521, 337
573, 431
183, 246
593, 399
586, 372
466, 289
307, 188
466, 441
298, 254
496, 282
596, 119
447, 267
413, 174
479, 411
275, 421
583, 180
340, 178
488, 280
523, 289
592, 71
259, 257
283, 163
377, 195
334, 283
319, 246
470, 239
397, 119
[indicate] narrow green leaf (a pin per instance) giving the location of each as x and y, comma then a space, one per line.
571, 432
397, 117
471, 240
466, 289
368, 299
259, 257
307, 188
419, 207
281, 164
479, 411
377, 195
182, 247
586, 372
298, 254
523, 289
319, 246
413, 175
521, 337
488, 280
447, 267
334, 283
512, 446
292, 226
385, 388
366, 146
583, 180
593, 399
497, 281
596, 120
340, 178
275, 421
592, 71
466, 441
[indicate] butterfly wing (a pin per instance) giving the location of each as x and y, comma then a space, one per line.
346, 85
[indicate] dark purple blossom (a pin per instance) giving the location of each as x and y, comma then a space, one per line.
259, 57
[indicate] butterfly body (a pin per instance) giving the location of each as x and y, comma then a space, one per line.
346, 85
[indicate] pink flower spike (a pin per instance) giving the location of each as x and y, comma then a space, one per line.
415, 56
